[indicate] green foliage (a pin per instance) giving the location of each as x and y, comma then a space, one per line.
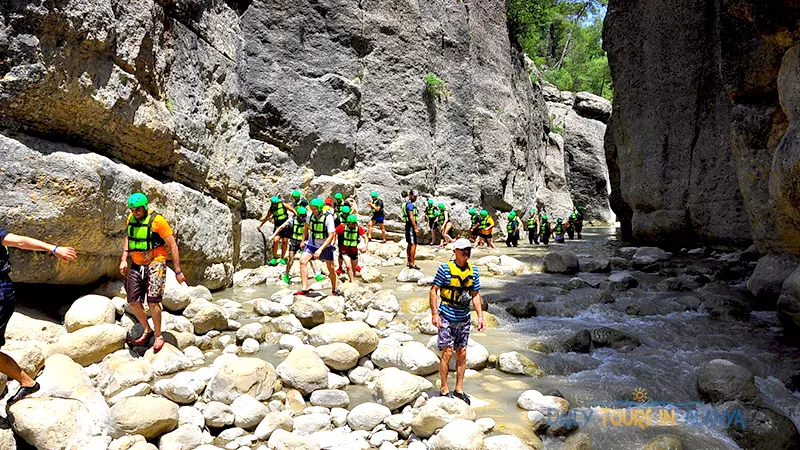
556, 126
169, 104
564, 39
434, 85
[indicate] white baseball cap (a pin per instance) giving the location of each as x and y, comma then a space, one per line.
462, 244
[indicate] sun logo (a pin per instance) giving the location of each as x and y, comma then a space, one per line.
640, 395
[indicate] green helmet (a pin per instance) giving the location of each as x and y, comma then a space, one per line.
296, 194
472, 211
136, 200
441, 206
338, 196
559, 220
484, 213
345, 209
533, 211
317, 202
352, 218
512, 214
580, 208
374, 194
544, 217
302, 211
275, 199
430, 201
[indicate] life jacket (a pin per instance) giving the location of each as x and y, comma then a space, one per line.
475, 219
544, 227
573, 216
317, 226
337, 207
531, 223
457, 292
141, 236
297, 228
342, 217
278, 212
432, 211
350, 236
405, 213
511, 226
559, 229
485, 222
300, 202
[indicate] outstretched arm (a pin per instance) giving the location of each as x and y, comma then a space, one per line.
176, 258
29, 243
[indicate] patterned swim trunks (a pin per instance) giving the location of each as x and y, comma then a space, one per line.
453, 334
148, 280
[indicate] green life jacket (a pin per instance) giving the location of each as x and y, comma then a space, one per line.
405, 213
278, 212
485, 222
573, 216
141, 236
337, 207
559, 229
302, 201
544, 228
317, 227
297, 228
350, 236
531, 223
511, 226
432, 211
343, 217
475, 219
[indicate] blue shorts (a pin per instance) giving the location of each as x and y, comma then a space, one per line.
453, 334
327, 254
377, 219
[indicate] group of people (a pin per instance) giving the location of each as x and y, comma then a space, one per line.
541, 227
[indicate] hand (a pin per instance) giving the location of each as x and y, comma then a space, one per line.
179, 276
66, 253
417, 230
317, 254
436, 320
481, 324
123, 267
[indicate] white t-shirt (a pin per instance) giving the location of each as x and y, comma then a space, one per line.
330, 227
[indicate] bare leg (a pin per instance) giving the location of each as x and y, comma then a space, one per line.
383, 231
332, 276
348, 264
412, 254
444, 367
275, 241
138, 310
284, 247
10, 367
155, 313
304, 269
461, 366
289, 261
369, 229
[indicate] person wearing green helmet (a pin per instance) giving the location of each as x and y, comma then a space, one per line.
341, 218
411, 230
474, 224
295, 224
544, 229
486, 229
279, 213
447, 225
352, 237
146, 241
512, 230
298, 200
533, 228
432, 213
8, 365
575, 222
318, 234
378, 216
559, 230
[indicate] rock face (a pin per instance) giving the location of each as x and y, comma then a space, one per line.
581, 120
704, 137
223, 104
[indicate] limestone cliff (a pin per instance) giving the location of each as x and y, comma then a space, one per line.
212, 106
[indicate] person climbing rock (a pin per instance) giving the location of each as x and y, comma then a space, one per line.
447, 225
457, 284
432, 213
8, 365
378, 216
578, 212
278, 212
352, 234
411, 230
474, 227
487, 228
298, 200
558, 231
533, 225
512, 230
147, 239
544, 230
295, 224
318, 234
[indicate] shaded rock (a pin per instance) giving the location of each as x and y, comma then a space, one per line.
580, 342
522, 309
720, 380
726, 307
646, 256
561, 262
621, 280
438, 412
760, 427
248, 412
269, 308
598, 265
477, 354
252, 330
210, 317
665, 442
767, 280
789, 302
218, 415
618, 340
149, 416
308, 312
577, 441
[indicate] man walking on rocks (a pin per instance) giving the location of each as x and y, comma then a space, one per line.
512, 239
458, 284
8, 366
432, 212
533, 225
412, 229
147, 239
279, 212
378, 216
318, 234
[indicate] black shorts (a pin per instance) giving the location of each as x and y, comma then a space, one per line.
432, 223
294, 245
476, 233
486, 235
7, 305
411, 234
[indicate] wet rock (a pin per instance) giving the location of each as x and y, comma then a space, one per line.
665, 442
510, 442
620, 281
237, 376
580, 342
273, 421
646, 256
149, 416
578, 441
750, 254
309, 313
763, 428
438, 412
515, 362
522, 309
459, 434
598, 266
618, 340
51, 423
411, 357
89, 310
789, 302
367, 416
561, 262
358, 335
726, 307
408, 275
209, 317
477, 354
720, 380
303, 370
395, 388
618, 263
767, 280
532, 400
90, 345
184, 437
674, 284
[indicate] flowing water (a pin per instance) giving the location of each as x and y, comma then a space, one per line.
677, 338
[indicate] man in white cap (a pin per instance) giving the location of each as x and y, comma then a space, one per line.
457, 284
